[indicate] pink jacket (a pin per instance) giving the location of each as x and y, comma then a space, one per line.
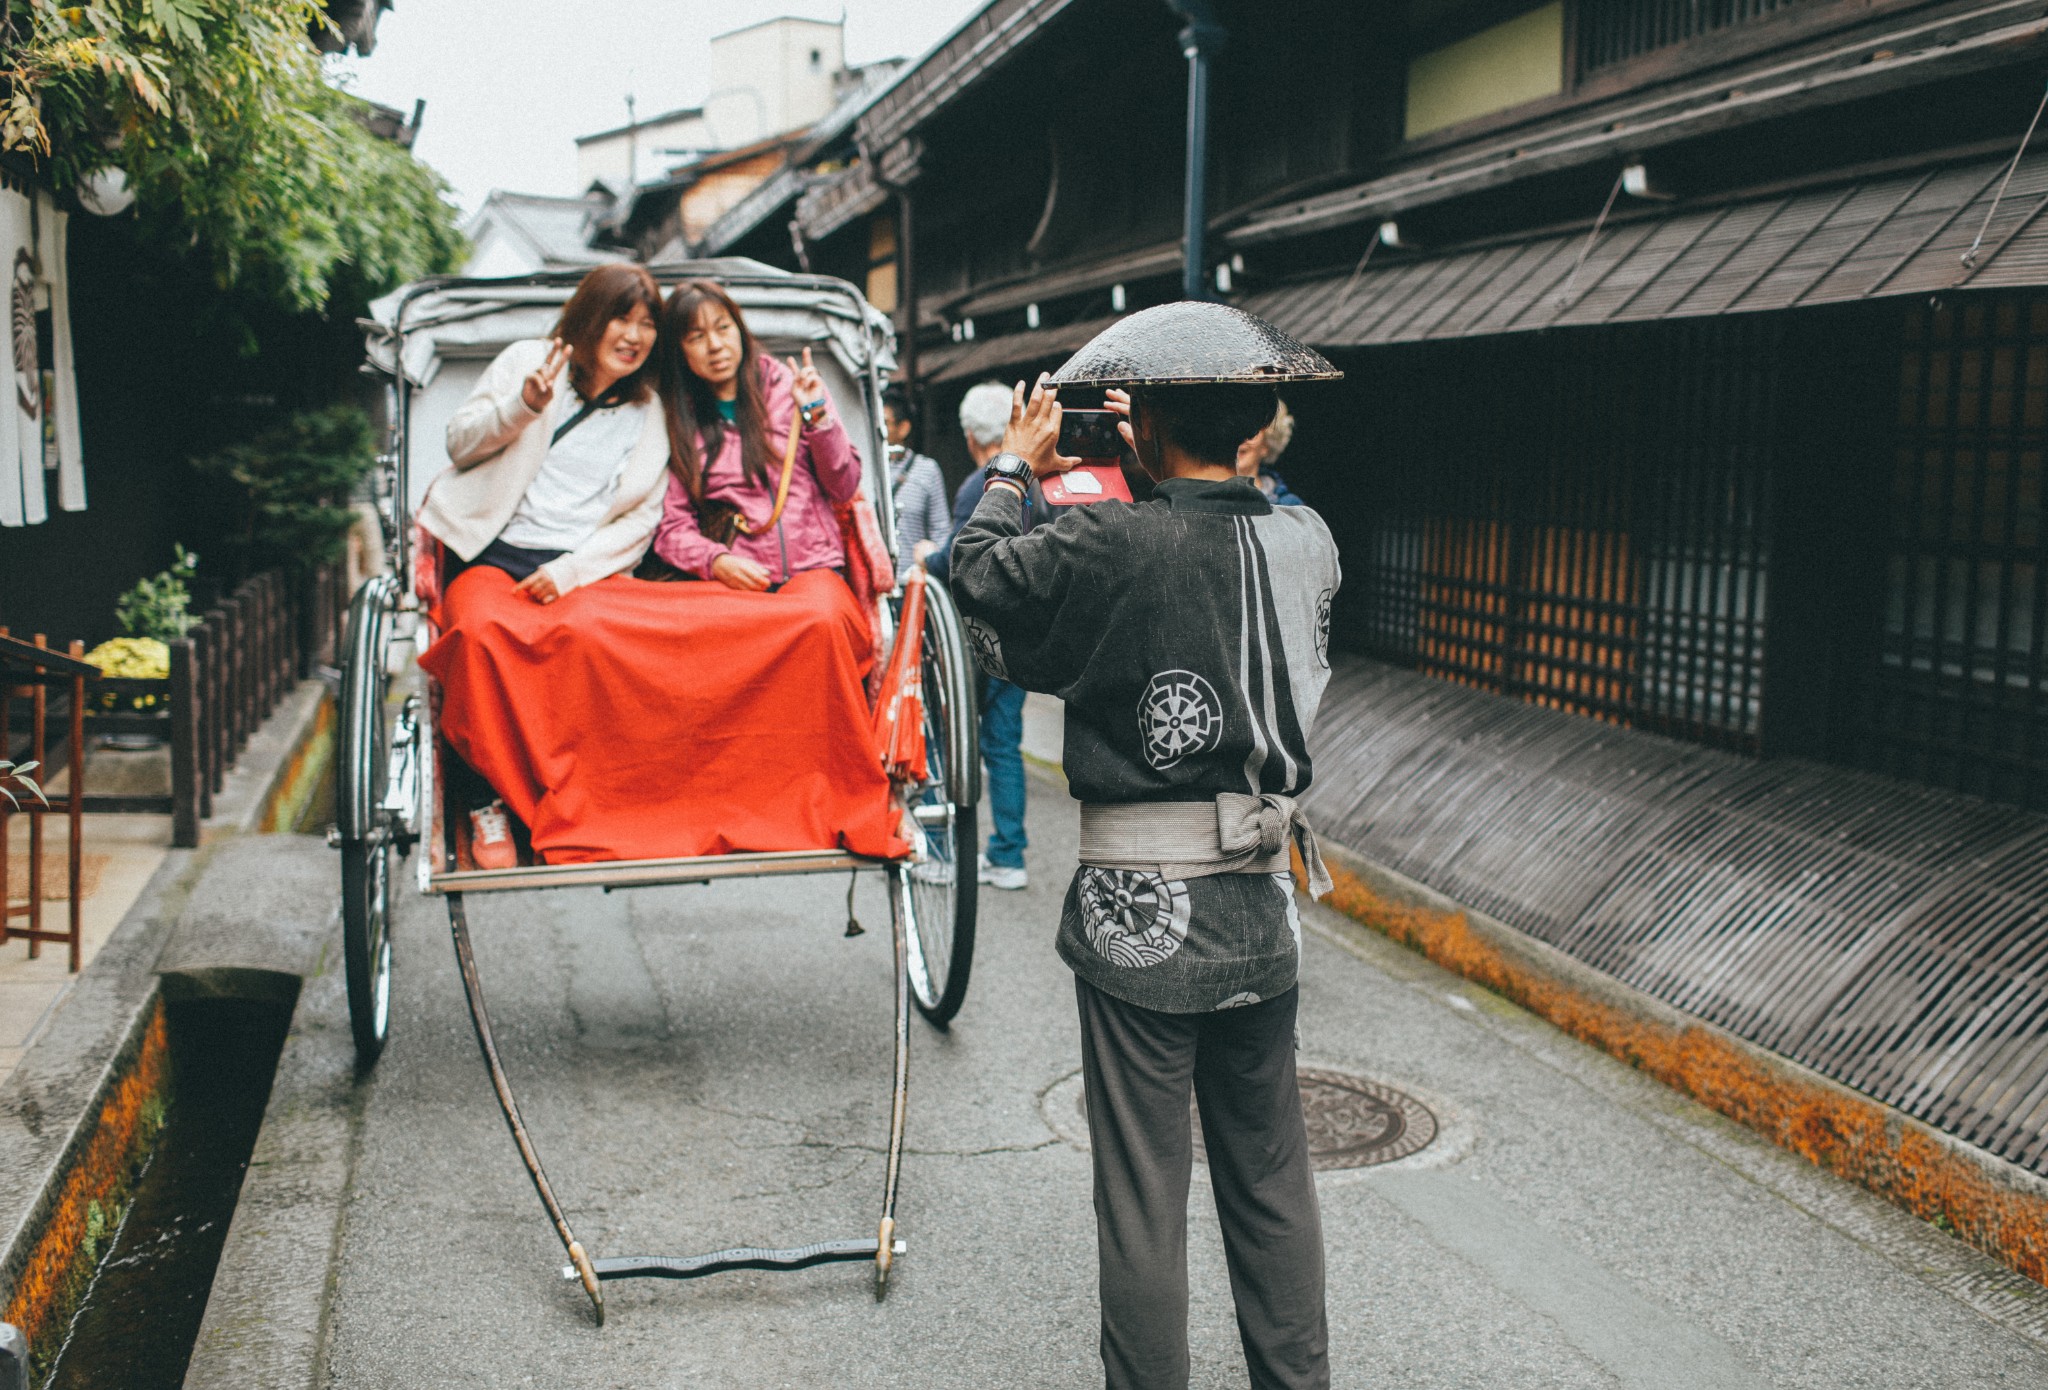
807, 538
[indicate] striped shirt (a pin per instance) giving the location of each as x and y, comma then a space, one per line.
921, 511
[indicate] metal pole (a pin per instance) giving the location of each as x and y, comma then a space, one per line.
1200, 40
1197, 211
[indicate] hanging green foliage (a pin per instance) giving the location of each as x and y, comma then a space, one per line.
232, 137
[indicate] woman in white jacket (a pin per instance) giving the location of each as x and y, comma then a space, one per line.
559, 482
560, 465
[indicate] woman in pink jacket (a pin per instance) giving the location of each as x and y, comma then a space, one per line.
730, 411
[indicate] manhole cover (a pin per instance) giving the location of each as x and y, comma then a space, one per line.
1355, 1123
1352, 1122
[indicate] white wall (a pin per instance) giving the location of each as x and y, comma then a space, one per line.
772, 78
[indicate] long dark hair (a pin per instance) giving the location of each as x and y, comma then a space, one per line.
696, 431
606, 293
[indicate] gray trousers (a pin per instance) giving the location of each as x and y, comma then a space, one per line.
1138, 1065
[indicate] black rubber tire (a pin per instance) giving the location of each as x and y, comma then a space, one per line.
943, 892
366, 946
363, 761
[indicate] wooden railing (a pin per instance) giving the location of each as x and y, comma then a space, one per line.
227, 674
32, 670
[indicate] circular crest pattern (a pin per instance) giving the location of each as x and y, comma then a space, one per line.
1179, 716
1133, 918
28, 371
988, 649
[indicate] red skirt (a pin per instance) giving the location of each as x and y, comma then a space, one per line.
630, 720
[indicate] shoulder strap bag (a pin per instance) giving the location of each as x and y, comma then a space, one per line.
610, 397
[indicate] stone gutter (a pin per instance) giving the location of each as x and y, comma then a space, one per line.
79, 1113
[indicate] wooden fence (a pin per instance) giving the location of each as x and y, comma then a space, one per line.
227, 674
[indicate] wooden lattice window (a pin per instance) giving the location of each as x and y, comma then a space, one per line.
1611, 31
1578, 520
1959, 696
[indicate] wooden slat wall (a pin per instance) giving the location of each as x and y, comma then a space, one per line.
1890, 936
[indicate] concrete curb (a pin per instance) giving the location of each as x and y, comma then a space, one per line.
85, 1102
266, 1317
273, 762
1996, 1206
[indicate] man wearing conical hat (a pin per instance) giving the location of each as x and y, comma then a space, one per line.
1189, 636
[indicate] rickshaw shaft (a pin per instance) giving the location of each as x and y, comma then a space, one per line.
472, 988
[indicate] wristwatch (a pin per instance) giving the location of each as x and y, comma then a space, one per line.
813, 413
1008, 468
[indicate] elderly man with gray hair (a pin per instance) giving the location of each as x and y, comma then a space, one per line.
984, 416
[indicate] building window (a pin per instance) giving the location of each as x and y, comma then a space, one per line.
1504, 65
1580, 522
1611, 31
881, 278
1959, 695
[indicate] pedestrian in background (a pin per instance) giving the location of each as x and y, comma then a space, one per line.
1187, 637
923, 524
984, 416
1255, 458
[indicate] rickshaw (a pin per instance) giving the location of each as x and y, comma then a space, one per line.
430, 341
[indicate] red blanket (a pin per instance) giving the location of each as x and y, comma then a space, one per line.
631, 720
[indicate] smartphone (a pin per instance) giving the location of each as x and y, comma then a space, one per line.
1090, 434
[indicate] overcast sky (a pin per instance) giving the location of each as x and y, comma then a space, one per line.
510, 84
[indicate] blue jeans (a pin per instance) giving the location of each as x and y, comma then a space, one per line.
1002, 752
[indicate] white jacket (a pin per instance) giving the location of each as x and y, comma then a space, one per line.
498, 445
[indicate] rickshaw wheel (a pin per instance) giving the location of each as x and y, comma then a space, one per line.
942, 887
361, 821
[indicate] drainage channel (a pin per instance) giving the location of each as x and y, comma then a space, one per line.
139, 1318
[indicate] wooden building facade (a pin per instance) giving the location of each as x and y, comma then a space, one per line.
1671, 399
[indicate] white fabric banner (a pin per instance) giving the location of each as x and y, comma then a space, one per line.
56, 256
21, 487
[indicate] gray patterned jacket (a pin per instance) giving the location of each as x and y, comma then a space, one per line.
1189, 637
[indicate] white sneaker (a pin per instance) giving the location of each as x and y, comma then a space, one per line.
1002, 876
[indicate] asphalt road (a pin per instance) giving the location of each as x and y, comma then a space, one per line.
708, 1066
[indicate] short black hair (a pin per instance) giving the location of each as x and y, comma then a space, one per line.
1210, 421
896, 400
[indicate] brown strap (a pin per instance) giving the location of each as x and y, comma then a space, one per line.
782, 488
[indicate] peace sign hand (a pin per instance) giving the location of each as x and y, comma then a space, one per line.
539, 387
805, 382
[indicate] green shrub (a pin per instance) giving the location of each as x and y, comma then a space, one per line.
296, 480
160, 606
